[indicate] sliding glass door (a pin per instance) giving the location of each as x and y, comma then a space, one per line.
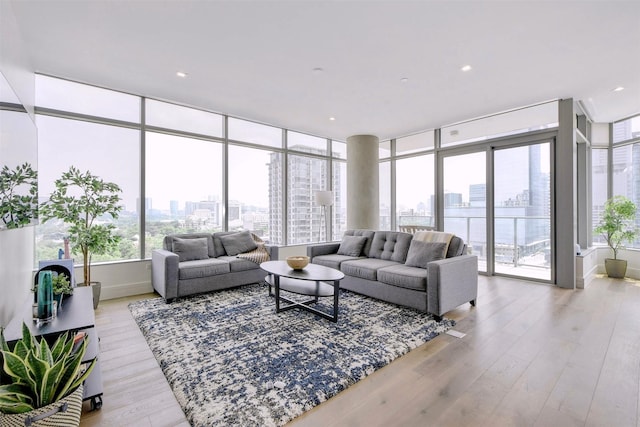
465, 201
522, 211
499, 201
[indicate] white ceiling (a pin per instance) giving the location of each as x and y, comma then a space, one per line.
255, 59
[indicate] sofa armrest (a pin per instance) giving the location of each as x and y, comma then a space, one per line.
322, 249
164, 273
274, 251
451, 282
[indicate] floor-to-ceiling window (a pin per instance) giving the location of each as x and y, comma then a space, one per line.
183, 192
496, 189
384, 186
414, 192
109, 152
183, 169
625, 173
599, 191
465, 201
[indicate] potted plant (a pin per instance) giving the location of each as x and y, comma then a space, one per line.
81, 199
617, 226
61, 287
39, 381
18, 196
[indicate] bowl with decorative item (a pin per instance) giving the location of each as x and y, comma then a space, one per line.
298, 262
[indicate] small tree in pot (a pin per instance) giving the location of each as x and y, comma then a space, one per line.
80, 199
617, 226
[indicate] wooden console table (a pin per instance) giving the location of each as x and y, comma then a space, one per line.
76, 315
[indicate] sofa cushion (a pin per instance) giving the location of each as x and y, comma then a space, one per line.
333, 260
237, 243
167, 242
456, 247
404, 276
190, 249
362, 232
352, 245
238, 264
422, 253
390, 245
202, 268
365, 268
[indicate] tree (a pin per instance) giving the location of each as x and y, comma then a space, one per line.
80, 199
618, 223
17, 206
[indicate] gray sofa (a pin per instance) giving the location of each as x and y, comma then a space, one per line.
202, 262
398, 268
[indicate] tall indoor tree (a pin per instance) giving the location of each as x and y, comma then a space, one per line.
80, 199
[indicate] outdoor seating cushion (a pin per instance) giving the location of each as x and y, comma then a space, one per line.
365, 268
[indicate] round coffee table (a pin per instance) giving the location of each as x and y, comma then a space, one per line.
312, 281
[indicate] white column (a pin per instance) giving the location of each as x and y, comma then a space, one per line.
363, 207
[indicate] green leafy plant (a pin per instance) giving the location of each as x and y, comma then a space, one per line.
35, 375
80, 199
18, 195
617, 225
61, 284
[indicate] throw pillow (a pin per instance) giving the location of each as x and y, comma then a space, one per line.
191, 249
238, 243
421, 253
352, 245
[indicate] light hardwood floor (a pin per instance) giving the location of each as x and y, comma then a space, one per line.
533, 355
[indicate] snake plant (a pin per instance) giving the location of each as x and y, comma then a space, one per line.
33, 374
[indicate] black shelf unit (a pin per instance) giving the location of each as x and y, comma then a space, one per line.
76, 315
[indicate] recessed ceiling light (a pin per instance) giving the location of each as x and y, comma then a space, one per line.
404, 80
618, 89
465, 68
181, 74
332, 118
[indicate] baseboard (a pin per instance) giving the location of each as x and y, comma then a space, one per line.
125, 290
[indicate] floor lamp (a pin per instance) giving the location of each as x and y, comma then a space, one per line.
324, 199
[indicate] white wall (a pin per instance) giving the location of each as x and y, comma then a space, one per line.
14, 62
16, 270
16, 246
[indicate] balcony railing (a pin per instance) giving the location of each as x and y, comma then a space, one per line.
522, 243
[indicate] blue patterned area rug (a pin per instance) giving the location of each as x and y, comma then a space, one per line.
231, 360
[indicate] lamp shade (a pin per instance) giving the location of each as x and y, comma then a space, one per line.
324, 198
